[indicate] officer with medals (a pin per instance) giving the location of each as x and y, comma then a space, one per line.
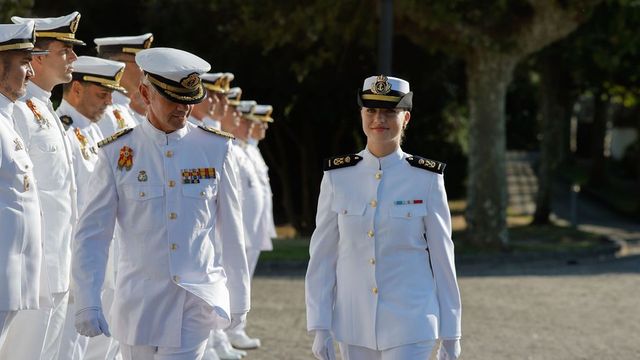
172, 187
217, 85
50, 150
251, 205
128, 107
85, 100
21, 256
203, 111
381, 278
262, 114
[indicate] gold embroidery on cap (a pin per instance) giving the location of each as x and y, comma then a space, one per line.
191, 81
381, 86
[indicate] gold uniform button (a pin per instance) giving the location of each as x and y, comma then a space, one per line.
173, 216
374, 290
370, 233
373, 203
344, 212
202, 193
378, 176
174, 246
176, 278
169, 153
372, 261
172, 183
408, 214
142, 194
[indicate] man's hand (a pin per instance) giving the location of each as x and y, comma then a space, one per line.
90, 322
449, 350
323, 346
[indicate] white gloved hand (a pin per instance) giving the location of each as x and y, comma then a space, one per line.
90, 322
449, 350
322, 347
236, 320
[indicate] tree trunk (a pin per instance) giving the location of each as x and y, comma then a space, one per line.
554, 114
488, 75
599, 130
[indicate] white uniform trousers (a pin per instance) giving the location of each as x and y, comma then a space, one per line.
6, 317
102, 347
252, 260
417, 351
73, 345
77, 347
17, 345
55, 328
196, 326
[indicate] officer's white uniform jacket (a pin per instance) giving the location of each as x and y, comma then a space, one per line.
84, 135
21, 255
167, 231
116, 117
381, 272
50, 150
122, 102
251, 199
268, 228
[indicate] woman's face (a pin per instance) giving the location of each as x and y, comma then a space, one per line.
383, 126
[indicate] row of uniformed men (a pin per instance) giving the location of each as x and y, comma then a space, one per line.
55, 154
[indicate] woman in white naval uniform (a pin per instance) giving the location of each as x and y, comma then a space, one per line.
381, 279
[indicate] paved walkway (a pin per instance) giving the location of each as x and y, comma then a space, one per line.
539, 311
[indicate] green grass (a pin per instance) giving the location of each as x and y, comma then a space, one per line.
535, 239
523, 239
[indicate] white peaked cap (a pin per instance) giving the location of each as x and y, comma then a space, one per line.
62, 28
174, 73
246, 106
103, 72
125, 44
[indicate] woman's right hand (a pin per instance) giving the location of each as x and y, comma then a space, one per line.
323, 345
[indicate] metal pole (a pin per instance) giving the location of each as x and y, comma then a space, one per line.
575, 190
385, 37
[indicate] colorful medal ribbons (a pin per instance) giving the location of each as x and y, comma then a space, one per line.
193, 176
407, 202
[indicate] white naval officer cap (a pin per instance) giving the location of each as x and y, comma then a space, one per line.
262, 113
174, 73
214, 82
234, 94
19, 37
246, 107
61, 28
123, 44
385, 92
103, 72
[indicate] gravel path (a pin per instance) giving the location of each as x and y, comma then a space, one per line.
535, 311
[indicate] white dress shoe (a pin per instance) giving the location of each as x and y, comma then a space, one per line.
241, 340
210, 354
226, 352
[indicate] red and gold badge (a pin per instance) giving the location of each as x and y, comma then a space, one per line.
126, 158
119, 119
41, 120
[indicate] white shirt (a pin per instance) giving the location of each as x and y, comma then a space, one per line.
252, 200
84, 135
268, 228
382, 271
116, 117
167, 224
21, 255
50, 150
211, 122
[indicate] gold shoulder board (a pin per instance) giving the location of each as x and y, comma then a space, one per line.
66, 121
426, 164
216, 131
114, 137
342, 161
